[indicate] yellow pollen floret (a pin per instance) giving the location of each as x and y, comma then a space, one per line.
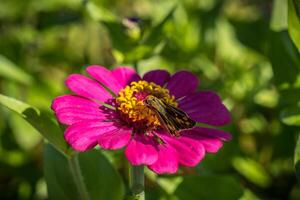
131, 105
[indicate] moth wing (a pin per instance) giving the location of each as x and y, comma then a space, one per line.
171, 118
179, 118
168, 123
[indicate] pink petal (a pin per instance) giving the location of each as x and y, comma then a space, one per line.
84, 135
189, 151
141, 150
105, 77
182, 83
71, 116
71, 109
160, 77
116, 139
167, 161
210, 144
71, 101
211, 132
125, 75
205, 107
88, 88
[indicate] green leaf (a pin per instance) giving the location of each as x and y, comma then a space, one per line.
100, 177
39, 120
86, 175
289, 96
58, 176
26, 136
99, 12
297, 158
10, 71
294, 21
279, 15
209, 187
253, 34
150, 44
253, 171
138, 53
155, 35
291, 116
118, 36
284, 58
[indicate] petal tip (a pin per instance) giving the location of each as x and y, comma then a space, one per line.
141, 150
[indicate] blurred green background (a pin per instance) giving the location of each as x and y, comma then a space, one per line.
246, 50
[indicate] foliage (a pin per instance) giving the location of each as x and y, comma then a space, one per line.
249, 51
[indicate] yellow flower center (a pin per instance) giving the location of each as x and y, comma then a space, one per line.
131, 103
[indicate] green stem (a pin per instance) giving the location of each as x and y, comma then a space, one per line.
78, 179
136, 182
135, 65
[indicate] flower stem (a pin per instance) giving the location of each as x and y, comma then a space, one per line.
78, 179
135, 65
136, 182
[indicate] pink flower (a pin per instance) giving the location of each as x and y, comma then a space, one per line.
128, 123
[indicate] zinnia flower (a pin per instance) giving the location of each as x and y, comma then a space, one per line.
108, 109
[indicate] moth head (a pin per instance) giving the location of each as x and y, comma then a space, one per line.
150, 100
